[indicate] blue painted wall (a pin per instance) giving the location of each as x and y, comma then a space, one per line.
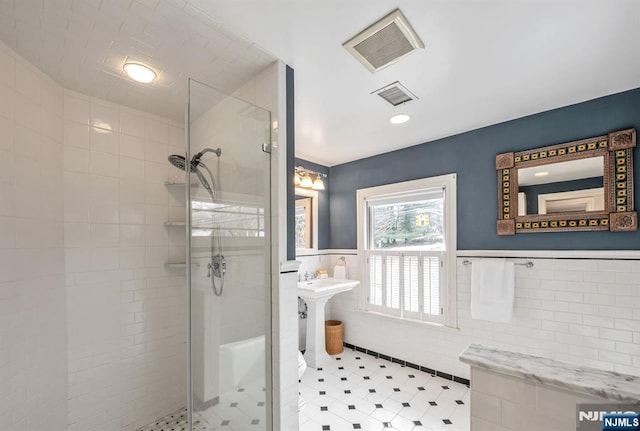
472, 156
291, 148
323, 203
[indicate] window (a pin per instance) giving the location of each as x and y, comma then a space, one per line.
231, 218
406, 236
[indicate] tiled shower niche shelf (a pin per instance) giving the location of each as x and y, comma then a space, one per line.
180, 265
212, 228
175, 223
179, 184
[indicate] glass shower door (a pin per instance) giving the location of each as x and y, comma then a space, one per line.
230, 262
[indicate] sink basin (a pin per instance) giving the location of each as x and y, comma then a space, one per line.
321, 287
316, 293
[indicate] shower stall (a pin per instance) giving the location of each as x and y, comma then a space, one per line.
227, 170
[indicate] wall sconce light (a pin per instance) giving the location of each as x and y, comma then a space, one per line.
306, 181
318, 184
303, 178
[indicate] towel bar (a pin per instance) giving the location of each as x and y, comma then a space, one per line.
528, 263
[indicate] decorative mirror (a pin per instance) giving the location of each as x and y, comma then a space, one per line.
580, 185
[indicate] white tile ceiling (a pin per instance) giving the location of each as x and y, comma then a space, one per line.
82, 44
485, 61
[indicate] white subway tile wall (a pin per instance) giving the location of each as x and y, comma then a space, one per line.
81, 181
503, 403
583, 311
33, 310
126, 311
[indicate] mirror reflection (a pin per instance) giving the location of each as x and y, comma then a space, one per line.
303, 222
571, 186
306, 221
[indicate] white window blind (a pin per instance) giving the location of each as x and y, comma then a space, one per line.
405, 284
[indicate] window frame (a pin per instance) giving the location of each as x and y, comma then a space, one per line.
448, 292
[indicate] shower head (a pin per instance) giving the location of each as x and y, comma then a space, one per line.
180, 162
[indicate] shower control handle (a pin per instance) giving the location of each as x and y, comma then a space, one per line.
219, 266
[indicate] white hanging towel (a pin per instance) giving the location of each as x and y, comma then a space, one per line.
340, 270
492, 290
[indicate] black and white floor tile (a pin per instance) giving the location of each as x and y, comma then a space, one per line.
358, 391
238, 410
242, 409
176, 421
355, 392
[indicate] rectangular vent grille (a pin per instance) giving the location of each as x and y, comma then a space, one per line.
384, 46
384, 42
395, 94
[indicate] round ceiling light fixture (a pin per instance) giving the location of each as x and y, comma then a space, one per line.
140, 72
399, 119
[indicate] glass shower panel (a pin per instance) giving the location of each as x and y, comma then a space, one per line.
230, 262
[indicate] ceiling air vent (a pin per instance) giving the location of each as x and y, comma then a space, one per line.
395, 94
384, 42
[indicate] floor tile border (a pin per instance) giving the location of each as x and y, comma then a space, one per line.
404, 363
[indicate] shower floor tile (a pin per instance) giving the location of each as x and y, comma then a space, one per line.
240, 410
358, 391
176, 421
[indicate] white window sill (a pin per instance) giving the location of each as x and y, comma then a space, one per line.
412, 322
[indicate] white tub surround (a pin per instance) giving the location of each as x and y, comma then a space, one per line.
515, 391
241, 363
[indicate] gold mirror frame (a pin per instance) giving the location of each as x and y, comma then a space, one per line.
619, 215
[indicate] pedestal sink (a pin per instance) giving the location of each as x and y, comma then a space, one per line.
316, 293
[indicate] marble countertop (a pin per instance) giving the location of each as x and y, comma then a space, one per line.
591, 381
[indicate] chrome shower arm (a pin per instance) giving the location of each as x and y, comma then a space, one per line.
196, 159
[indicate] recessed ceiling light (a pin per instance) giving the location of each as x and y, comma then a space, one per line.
139, 72
541, 174
399, 119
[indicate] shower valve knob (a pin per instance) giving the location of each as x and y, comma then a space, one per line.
219, 265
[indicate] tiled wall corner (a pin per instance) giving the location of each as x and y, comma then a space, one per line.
127, 312
33, 309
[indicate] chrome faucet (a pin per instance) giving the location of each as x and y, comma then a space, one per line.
307, 276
